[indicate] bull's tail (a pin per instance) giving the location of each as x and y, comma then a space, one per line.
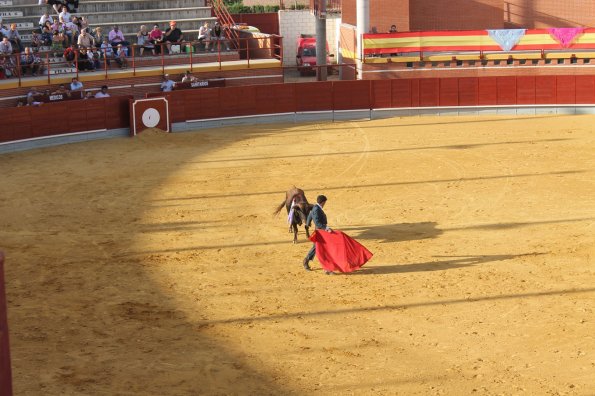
276, 212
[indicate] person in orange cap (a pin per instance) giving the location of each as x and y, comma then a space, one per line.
173, 35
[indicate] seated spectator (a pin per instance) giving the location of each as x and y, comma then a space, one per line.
46, 17
84, 23
56, 4
15, 38
142, 39
71, 31
204, 35
167, 85
218, 36
393, 29
61, 90
5, 46
121, 60
7, 65
36, 40
30, 62
64, 15
84, 62
46, 34
85, 39
57, 26
116, 37
70, 55
98, 36
173, 35
156, 38
75, 85
34, 92
188, 77
103, 93
73, 5
89, 95
107, 52
59, 42
3, 29
31, 101
94, 57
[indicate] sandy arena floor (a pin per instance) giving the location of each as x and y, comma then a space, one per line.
153, 266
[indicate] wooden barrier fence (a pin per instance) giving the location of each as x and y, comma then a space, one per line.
5, 370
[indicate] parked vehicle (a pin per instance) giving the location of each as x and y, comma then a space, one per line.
306, 55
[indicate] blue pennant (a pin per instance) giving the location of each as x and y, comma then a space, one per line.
507, 38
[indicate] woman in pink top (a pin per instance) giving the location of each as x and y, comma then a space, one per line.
156, 38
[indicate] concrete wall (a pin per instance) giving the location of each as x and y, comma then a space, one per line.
455, 14
294, 23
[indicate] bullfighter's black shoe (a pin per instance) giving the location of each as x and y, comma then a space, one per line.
306, 265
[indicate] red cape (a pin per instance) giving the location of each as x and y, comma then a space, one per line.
336, 251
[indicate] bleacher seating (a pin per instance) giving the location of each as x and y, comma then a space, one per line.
128, 14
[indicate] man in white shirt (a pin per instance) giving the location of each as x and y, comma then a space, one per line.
45, 17
103, 93
76, 85
64, 16
167, 85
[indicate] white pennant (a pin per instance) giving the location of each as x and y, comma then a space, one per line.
507, 38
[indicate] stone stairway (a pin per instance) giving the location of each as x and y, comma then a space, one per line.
128, 14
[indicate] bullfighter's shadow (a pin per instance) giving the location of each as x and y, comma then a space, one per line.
396, 232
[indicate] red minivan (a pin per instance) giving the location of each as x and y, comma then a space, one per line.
306, 55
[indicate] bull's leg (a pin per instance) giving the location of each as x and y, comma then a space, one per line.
307, 231
295, 232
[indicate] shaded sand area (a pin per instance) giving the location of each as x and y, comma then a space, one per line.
153, 266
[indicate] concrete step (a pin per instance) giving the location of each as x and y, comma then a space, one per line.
33, 14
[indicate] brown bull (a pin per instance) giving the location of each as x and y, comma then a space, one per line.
296, 199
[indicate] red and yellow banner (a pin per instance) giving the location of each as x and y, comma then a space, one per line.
469, 40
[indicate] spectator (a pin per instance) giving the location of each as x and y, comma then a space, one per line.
36, 40
173, 35
46, 34
33, 92
156, 38
204, 36
73, 5
61, 90
121, 56
76, 85
71, 31
57, 26
79, 24
7, 65
3, 29
89, 95
143, 40
85, 39
98, 36
188, 77
59, 42
103, 93
70, 55
30, 61
107, 52
116, 37
167, 85
84, 22
45, 18
218, 36
15, 38
393, 29
94, 57
5, 46
57, 4
64, 15
84, 62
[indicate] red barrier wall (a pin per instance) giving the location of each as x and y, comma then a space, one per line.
64, 117
96, 114
5, 371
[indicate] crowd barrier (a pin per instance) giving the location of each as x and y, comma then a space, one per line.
64, 117
194, 105
5, 370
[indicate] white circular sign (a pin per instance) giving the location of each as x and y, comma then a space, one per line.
151, 118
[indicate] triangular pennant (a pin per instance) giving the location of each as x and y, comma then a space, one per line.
506, 38
565, 36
